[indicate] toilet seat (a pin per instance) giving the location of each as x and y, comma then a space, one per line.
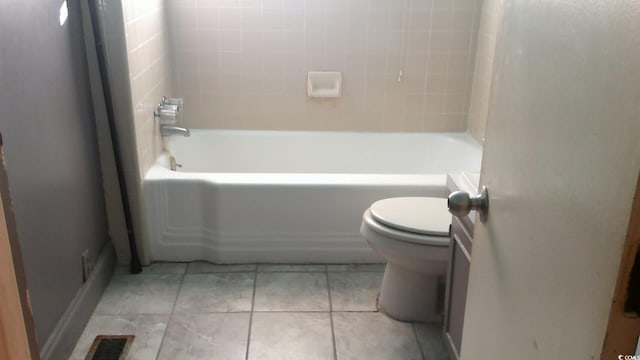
420, 215
394, 233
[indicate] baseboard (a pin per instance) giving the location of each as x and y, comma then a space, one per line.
63, 339
451, 349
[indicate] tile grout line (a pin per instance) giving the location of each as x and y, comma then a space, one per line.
173, 308
253, 304
415, 334
333, 332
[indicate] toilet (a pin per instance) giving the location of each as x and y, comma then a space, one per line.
412, 235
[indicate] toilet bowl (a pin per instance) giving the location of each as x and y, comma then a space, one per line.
412, 234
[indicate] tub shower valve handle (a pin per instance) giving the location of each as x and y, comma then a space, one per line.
165, 114
460, 204
178, 102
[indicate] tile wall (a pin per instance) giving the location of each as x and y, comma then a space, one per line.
479, 104
242, 64
149, 72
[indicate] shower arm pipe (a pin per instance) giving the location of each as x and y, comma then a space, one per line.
135, 266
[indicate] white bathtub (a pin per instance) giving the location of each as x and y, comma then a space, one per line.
274, 196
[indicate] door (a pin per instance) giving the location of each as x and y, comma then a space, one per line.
17, 334
562, 156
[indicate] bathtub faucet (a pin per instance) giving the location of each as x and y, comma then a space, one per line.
166, 130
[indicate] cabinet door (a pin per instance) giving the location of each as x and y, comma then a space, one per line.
457, 279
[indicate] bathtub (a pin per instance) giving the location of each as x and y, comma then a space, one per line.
288, 197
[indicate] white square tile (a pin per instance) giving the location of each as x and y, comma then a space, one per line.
252, 42
439, 41
231, 41
293, 42
354, 291
418, 42
216, 292
229, 18
208, 40
291, 292
232, 4
300, 336
208, 18
231, 62
420, 20
358, 20
314, 4
357, 42
272, 19
250, 4
337, 5
379, 19
441, 19
185, 18
381, 4
294, 4
206, 336
186, 40
272, 41
373, 336
315, 20
251, 19
272, 4
460, 63
358, 4
293, 19
396, 19
315, 42
462, 20
139, 294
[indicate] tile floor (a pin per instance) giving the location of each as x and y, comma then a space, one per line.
207, 311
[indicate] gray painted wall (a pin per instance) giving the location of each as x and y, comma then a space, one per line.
50, 144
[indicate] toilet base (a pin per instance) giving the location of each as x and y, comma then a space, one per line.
410, 296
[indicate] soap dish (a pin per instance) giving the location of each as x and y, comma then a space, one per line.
324, 84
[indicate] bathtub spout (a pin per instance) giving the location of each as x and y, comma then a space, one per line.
166, 130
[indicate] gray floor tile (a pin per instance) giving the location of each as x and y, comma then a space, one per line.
373, 336
206, 336
354, 291
199, 267
221, 292
291, 292
148, 331
139, 294
430, 340
295, 336
291, 268
356, 267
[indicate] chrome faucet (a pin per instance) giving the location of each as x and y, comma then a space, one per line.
166, 130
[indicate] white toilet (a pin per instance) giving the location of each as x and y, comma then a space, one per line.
412, 234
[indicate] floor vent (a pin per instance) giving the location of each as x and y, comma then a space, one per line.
110, 347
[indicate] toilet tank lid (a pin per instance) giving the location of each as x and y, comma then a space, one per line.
421, 215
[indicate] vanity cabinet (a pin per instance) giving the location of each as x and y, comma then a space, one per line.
456, 288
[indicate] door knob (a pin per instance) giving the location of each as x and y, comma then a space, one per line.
460, 203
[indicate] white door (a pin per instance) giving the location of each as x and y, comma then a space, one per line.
562, 156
